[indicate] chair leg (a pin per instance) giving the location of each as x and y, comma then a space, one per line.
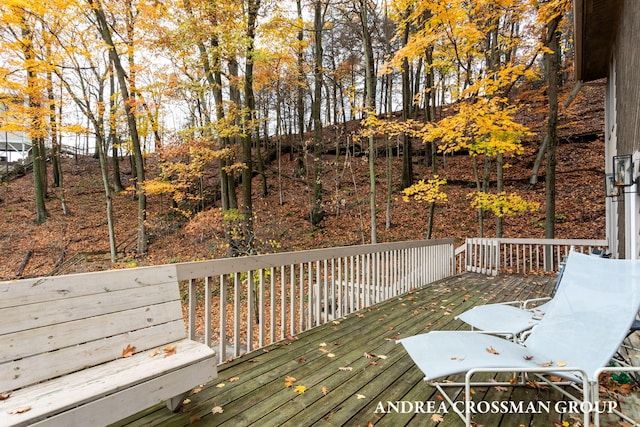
176, 402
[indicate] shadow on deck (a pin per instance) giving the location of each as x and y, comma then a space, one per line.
349, 370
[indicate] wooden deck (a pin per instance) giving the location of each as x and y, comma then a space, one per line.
350, 367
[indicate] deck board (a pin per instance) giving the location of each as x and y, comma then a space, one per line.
254, 392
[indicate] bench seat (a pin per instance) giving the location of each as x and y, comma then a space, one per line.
103, 394
65, 339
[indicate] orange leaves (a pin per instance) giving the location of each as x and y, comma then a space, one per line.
128, 351
288, 381
20, 410
4, 396
169, 350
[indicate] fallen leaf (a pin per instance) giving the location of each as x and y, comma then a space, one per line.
345, 368
128, 351
382, 356
323, 350
288, 381
220, 385
169, 350
501, 388
528, 357
186, 401
197, 389
458, 358
331, 355
336, 322
391, 328
156, 352
302, 360
194, 420
360, 396
492, 350
300, 389
369, 355
323, 344
217, 410
546, 365
360, 315
373, 362
324, 391
20, 410
437, 418
4, 396
234, 379
561, 364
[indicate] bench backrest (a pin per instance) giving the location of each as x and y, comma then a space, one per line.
52, 326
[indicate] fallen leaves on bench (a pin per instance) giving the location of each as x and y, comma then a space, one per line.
169, 350
20, 410
128, 351
5, 396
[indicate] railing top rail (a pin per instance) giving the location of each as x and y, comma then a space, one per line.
576, 242
209, 268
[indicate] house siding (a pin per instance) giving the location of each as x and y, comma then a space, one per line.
627, 117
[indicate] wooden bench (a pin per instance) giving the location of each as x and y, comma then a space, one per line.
64, 340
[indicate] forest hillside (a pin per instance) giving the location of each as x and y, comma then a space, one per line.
78, 240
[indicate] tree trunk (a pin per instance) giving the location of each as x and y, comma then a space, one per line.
407, 103
113, 136
317, 211
105, 32
370, 105
553, 71
38, 153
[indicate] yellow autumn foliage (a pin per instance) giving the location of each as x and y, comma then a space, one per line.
426, 191
502, 204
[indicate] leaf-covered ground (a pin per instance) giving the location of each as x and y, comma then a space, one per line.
79, 242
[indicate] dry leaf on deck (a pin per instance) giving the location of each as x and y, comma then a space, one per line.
288, 381
360, 396
437, 418
345, 368
300, 389
324, 391
220, 385
331, 355
217, 410
234, 379
128, 351
5, 396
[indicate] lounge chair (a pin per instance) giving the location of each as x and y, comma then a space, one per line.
515, 317
581, 331
510, 318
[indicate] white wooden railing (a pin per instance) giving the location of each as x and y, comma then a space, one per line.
241, 304
492, 256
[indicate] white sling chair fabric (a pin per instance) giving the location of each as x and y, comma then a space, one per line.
588, 320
